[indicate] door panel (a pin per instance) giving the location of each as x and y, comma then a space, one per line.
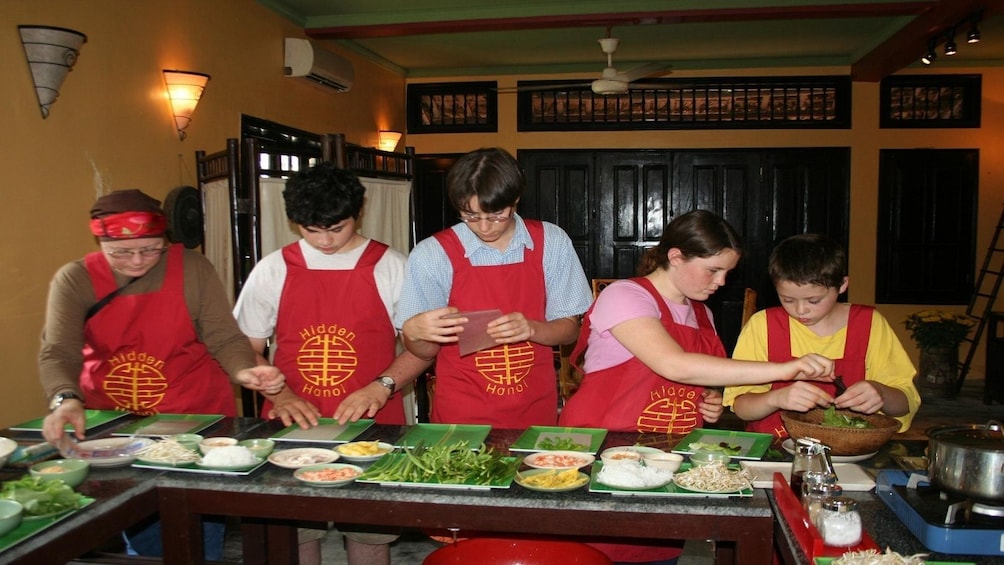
765, 194
559, 190
634, 203
927, 229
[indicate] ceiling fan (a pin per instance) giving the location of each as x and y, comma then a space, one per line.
611, 81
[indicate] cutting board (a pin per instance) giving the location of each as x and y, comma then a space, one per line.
850, 476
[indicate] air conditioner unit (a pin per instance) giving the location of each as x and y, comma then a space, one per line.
307, 60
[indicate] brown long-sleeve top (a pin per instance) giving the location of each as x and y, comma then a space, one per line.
71, 294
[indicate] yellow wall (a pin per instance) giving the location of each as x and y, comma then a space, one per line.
111, 128
864, 138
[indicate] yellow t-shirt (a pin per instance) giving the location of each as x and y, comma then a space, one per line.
886, 361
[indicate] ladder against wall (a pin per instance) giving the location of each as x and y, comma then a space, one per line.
988, 284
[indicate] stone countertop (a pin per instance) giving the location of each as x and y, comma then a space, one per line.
274, 480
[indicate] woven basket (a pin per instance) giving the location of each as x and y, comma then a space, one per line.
841, 441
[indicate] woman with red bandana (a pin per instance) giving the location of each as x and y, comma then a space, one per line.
141, 326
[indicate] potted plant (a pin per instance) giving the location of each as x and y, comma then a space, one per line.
938, 335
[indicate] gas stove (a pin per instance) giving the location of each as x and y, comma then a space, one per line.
942, 522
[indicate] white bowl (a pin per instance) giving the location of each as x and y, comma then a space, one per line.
211, 443
620, 454
665, 461
7, 447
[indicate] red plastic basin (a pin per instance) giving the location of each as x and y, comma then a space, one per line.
499, 551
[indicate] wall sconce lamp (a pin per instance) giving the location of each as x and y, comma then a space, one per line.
51, 53
387, 140
184, 89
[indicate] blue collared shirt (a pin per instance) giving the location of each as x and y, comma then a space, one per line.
429, 275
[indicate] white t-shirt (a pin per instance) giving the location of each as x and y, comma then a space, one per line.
257, 307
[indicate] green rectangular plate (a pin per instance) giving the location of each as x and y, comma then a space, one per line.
751, 445
668, 490
328, 430
590, 438
828, 560
163, 425
392, 458
95, 418
28, 528
444, 434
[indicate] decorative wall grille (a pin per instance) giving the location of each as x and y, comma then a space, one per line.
809, 102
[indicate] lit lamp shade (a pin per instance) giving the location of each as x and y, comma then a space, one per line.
51, 53
387, 140
184, 89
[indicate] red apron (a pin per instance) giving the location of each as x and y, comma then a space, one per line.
630, 397
141, 352
510, 386
851, 367
333, 334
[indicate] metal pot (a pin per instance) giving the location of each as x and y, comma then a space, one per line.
968, 460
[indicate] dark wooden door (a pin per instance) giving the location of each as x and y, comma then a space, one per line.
619, 210
560, 191
431, 210
927, 226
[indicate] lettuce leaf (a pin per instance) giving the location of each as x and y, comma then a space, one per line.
40, 497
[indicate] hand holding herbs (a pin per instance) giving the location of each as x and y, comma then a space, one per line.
444, 464
41, 498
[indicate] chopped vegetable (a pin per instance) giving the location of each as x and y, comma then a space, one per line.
41, 497
720, 447
444, 464
558, 443
554, 479
832, 419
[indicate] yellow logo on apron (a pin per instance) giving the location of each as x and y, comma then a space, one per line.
135, 382
505, 367
326, 360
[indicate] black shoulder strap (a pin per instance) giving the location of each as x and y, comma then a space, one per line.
107, 298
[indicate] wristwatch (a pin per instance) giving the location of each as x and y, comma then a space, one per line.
387, 382
58, 399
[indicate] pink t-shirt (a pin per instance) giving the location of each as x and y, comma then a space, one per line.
619, 302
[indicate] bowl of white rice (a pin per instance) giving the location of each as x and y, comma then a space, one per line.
633, 475
229, 458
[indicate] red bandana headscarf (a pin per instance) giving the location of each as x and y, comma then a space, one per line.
127, 214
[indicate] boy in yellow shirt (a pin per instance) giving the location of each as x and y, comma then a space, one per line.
809, 273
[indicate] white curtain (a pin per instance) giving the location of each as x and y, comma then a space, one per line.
386, 212
276, 229
218, 241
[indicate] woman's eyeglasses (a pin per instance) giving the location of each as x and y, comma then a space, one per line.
128, 253
493, 218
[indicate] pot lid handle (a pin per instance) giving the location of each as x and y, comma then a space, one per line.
995, 426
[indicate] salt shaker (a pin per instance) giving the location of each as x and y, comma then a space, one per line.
814, 493
838, 522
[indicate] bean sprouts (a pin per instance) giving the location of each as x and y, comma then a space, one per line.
873, 557
168, 451
713, 478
